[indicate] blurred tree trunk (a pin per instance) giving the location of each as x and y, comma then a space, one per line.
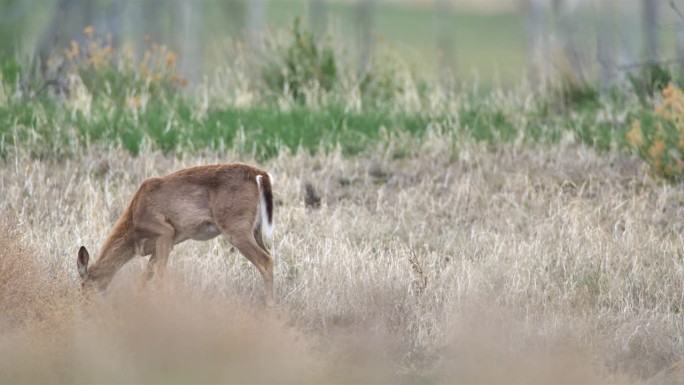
135, 26
680, 47
88, 14
257, 21
234, 13
115, 21
570, 65
190, 12
537, 43
56, 34
11, 11
650, 25
318, 16
152, 14
365, 15
606, 46
680, 38
629, 39
446, 44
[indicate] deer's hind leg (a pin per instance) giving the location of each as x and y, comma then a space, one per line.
240, 234
259, 238
263, 261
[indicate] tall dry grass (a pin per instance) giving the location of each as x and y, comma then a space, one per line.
428, 264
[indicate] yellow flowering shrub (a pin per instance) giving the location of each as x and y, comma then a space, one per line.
116, 71
658, 137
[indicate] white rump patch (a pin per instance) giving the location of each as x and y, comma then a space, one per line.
266, 225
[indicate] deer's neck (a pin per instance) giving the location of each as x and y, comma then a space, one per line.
116, 251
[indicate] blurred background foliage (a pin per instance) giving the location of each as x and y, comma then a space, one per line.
182, 75
496, 42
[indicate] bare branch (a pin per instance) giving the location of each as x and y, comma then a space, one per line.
669, 62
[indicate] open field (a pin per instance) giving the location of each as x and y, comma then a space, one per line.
446, 265
466, 234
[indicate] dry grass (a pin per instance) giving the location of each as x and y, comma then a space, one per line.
553, 265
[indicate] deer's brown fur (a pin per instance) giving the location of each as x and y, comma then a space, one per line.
194, 203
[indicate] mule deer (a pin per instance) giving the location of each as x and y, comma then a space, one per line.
199, 203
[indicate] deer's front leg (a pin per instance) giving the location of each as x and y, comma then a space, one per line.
149, 269
163, 242
162, 250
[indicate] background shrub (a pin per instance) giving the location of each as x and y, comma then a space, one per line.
658, 135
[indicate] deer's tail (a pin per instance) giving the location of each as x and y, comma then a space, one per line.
265, 204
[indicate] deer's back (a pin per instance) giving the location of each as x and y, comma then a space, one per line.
199, 194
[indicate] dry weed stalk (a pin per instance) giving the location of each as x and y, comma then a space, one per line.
421, 279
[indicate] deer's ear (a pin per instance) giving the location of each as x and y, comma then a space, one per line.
82, 262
